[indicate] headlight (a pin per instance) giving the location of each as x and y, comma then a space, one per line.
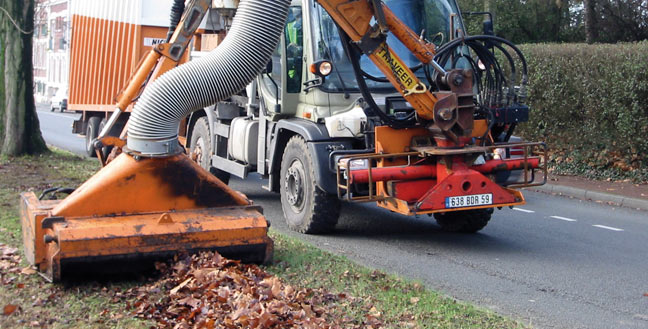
359, 164
499, 153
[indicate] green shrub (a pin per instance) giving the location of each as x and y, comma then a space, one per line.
590, 104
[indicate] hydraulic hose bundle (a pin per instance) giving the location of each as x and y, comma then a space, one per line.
490, 76
496, 88
496, 91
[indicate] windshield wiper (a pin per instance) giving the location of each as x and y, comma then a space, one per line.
383, 79
344, 88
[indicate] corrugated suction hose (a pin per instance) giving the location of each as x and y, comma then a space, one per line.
255, 32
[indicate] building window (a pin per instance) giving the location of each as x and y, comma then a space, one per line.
59, 23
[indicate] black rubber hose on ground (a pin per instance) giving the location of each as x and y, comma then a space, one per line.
228, 69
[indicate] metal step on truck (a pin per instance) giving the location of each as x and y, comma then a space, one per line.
339, 115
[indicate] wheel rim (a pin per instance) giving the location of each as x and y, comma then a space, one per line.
197, 152
294, 186
89, 134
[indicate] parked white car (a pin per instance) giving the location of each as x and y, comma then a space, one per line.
59, 101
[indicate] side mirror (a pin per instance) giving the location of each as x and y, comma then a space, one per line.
488, 28
268, 68
488, 23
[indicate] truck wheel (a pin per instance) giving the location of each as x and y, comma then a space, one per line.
92, 131
307, 209
200, 148
467, 221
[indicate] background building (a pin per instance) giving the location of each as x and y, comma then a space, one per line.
51, 48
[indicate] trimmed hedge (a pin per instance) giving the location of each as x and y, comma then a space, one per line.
590, 104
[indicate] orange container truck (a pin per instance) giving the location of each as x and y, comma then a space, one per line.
108, 39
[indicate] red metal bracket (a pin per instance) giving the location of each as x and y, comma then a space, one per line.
463, 182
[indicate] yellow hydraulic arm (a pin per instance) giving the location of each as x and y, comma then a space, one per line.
443, 109
354, 18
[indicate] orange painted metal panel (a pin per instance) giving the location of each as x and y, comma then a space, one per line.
138, 207
104, 53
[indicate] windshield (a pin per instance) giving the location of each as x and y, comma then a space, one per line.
428, 17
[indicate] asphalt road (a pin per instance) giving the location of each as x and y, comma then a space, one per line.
554, 263
57, 129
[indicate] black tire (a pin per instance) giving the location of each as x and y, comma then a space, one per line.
200, 146
92, 131
307, 209
52, 108
466, 221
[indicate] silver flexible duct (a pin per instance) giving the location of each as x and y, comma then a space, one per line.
255, 32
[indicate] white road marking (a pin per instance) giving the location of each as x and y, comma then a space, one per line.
609, 228
564, 218
524, 210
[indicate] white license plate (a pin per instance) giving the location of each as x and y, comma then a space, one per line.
469, 200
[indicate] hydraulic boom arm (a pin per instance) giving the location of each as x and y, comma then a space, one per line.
354, 18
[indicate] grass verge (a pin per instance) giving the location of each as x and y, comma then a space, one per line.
40, 304
398, 303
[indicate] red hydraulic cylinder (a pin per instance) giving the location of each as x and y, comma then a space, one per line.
383, 174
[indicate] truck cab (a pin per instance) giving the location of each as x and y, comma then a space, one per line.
306, 109
316, 106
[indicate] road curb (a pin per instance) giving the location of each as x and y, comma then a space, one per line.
593, 196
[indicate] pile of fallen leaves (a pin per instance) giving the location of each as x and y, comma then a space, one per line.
10, 264
209, 291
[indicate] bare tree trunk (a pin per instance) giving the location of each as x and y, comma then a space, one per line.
2, 84
21, 133
591, 32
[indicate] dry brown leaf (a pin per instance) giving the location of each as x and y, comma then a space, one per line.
10, 309
182, 325
415, 300
409, 324
28, 271
190, 301
180, 286
289, 291
276, 286
374, 312
9, 251
5, 265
